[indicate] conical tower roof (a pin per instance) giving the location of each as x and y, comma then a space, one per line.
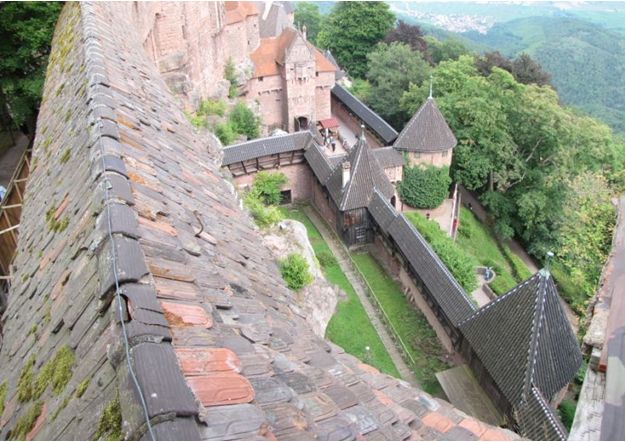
366, 174
523, 338
427, 131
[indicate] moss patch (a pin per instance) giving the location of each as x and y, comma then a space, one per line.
82, 387
25, 383
54, 224
57, 371
65, 156
3, 396
26, 422
110, 423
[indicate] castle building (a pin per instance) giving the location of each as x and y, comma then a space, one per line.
291, 82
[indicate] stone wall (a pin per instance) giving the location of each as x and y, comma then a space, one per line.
353, 123
299, 179
438, 159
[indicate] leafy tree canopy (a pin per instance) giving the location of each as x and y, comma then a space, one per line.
25, 37
524, 153
352, 29
308, 14
449, 49
391, 68
411, 35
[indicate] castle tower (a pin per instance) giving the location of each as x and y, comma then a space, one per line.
427, 137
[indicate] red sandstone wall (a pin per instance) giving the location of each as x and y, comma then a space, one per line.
299, 179
339, 111
319, 201
439, 159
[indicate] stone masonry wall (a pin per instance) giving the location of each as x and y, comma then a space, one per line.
299, 181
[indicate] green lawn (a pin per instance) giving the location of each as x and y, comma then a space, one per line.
350, 327
410, 324
478, 240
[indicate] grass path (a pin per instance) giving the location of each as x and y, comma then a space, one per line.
408, 322
350, 326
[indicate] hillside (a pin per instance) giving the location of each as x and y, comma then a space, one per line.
586, 61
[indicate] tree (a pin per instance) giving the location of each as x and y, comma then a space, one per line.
26, 30
424, 187
352, 29
526, 70
391, 69
362, 89
244, 121
411, 35
485, 63
308, 14
450, 49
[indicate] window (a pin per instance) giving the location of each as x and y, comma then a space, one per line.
260, 78
317, 74
285, 197
444, 154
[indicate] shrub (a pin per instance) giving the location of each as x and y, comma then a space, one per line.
502, 283
264, 216
295, 271
461, 264
244, 121
226, 133
197, 121
326, 259
424, 188
567, 410
212, 107
268, 186
231, 76
520, 271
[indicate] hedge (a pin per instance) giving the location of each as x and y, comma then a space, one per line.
424, 187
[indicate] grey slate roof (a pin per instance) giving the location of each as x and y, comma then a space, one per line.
382, 211
319, 162
524, 338
266, 146
366, 174
433, 272
388, 157
538, 421
427, 131
275, 22
367, 115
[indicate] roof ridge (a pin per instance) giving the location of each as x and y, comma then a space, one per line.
548, 411
410, 123
533, 348
498, 299
353, 169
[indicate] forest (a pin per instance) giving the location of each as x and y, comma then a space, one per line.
545, 172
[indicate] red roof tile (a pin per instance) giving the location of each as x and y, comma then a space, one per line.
221, 389
203, 361
182, 315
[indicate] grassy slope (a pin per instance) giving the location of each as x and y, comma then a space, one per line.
349, 327
410, 324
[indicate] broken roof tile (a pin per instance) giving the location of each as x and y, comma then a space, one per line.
201, 361
185, 315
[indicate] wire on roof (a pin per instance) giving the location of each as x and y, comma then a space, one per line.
118, 295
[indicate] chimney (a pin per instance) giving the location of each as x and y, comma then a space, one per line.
304, 32
345, 176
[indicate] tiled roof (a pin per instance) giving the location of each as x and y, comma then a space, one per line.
538, 421
523, 338
382, 211
238, 11
365, 176
319, 162
266, 146
275, 22
368, 116
433, 272
271, 52
427, 131
388, 157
